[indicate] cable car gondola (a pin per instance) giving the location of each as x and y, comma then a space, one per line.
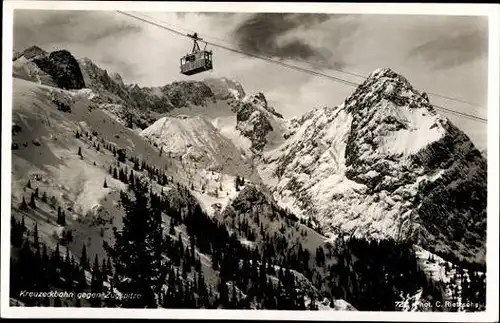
198, 61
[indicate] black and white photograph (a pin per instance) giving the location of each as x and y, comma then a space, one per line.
321, 161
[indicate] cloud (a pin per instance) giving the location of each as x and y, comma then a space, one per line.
61, 26
440, 54
260, 32
449, 51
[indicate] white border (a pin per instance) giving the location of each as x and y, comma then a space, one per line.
492, 11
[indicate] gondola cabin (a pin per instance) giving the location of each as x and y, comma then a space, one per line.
198, 61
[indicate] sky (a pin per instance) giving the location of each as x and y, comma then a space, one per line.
447, 55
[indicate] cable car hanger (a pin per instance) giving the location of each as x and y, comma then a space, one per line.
196, 47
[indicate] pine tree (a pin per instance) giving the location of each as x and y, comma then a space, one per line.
172, 227
96, 285
29, 184
16, 232
109, 268
36, 192
131, 178
58, 215
44, 197
35, 235
32, 203
223, 294
55, 262
80, 151
61, 217
137, 251
105, 184
103, 270
84, 261
23, 205
320, 256
129, 121
82, 280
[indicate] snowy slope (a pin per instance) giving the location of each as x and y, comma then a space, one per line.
45, 150
198, 144
24, 68
383, 164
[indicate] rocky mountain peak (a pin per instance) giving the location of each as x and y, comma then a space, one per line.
183, 93
117, 78
260, 100
386, 85
256, 120
62, 66
385, 164
224, 88
33, 51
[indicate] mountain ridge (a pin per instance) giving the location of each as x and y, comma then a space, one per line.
385, 147
383, 169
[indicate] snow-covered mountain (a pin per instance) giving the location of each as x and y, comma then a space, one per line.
198, 143
381, 165
384, 164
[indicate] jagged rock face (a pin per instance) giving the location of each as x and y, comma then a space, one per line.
384, 164
15, 55
130, 104
156, 99
398, 139
260, 98
25, 69
181, 94
97, 79
140, 103
224, 88
454, 205
391, 122
171, 96
63, 68
33, 52
306, 173
253, 125
254, 120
